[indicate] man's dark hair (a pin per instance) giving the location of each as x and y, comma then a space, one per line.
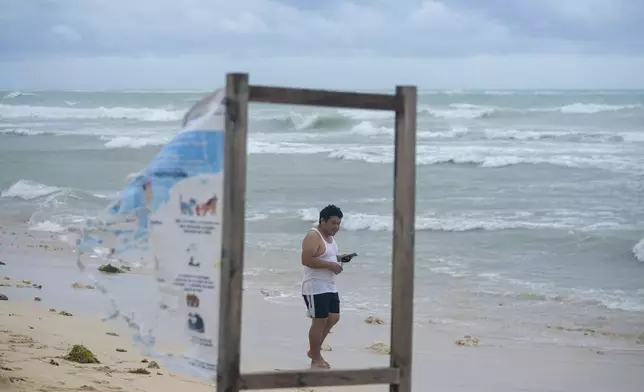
327, 212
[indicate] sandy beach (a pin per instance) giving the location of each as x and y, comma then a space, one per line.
35, 336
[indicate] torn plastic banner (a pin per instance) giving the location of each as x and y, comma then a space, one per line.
165, 229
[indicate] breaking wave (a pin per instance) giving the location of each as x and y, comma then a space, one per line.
457, 223
638, 251
113, 113
291, 119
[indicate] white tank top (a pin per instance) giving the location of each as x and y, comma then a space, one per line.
321, 280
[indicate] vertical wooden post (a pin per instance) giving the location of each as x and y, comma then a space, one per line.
402, 290
232, 252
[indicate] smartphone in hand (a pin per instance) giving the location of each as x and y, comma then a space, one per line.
346, 258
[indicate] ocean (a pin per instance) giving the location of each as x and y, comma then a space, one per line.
530, 204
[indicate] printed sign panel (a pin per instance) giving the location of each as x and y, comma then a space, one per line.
166, 226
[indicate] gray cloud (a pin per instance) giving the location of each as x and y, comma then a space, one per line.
95, 44
596, 26
54, 28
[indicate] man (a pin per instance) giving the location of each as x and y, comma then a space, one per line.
321, 264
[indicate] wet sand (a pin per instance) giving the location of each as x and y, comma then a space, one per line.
273, 337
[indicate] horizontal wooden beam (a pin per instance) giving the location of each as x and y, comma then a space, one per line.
328, 98
318, 378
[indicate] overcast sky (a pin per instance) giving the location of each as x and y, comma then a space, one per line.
188, 44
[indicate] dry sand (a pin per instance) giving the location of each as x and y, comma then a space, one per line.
34, 341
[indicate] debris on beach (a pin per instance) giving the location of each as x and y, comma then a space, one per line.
53, 363
77, 285
560, 328
26, 284
380, 348
2, 263
144, 360
112, 333
374, 320
468, 341
7, 278
269, 293
64, 313
37, 299
326, 347
138, 371
52, 310
585, 331
121, 350
4, 297
154, 365
110, 269
80, 354
21, 339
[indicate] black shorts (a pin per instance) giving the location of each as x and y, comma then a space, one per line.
320, 305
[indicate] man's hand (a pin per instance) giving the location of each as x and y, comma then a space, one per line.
335, 267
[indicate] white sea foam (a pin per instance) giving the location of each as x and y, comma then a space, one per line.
259, 147
361, 115
591, 108
466, 111
303, 121
21, 132
455, 132
367, 128
253, 217
29, 190
600, 157
638, 251
112, 113
159, 132
355, 221
549, 291
557, 135
141, 137
134, 142
16, 94
48, 226
32, 190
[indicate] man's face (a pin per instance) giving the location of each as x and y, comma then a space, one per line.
332, 226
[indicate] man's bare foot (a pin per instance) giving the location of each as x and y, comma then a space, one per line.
319, 364
326, 364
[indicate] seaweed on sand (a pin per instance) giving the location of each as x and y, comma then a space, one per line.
80, 354
110, 269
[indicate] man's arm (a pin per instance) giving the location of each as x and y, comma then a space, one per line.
310, 246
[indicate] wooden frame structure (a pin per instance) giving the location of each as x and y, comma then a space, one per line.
398, 374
